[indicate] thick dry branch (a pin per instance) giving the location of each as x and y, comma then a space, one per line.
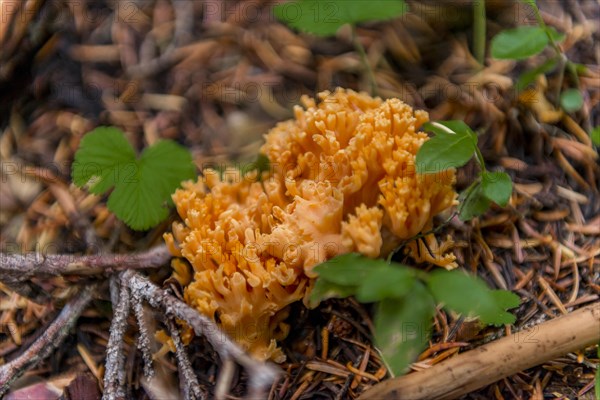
261, 375
52, 337
489, 363
21, 267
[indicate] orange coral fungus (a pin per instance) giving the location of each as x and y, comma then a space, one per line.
342, 179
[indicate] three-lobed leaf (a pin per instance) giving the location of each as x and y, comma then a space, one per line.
402, 327
324, 18
104, 159
142, 187
467, 294
497, 187
452, 146
519, 43
406, 306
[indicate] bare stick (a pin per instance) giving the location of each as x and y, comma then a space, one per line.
143, 342
224, 380
114, 377
188, 381
51, 338
21, 267
491, 362
261, 375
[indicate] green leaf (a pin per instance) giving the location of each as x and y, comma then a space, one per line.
556, 36
505, 299
349, 269
519, 43
142, 187
451, 147
531, 3
324, 18
468, 294
595, 135
324, 290
393, 281
403, 327
262, 163
497, 187
474, 204
528, 77
571, 100
104, 158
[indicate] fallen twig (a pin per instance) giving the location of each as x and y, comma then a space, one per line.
261, 375
489, 363
21, 267
188, 382
114, 377
51, 338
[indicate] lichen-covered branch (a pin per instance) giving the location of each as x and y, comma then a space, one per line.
114, 377
143, 342
51, 338
21, 267
261, 374
188, 382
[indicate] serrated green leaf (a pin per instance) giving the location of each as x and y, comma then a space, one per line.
468, 294
505, 299
142, 187
324, 290
528, 77
403, 326
324, 18
383, 283
168, 164
519, 43
474, 204
571, 100
595, 135
104, 158
451, 147
349, 269
497, 187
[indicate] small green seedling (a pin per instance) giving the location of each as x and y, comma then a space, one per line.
525, 41
325, 18
142, 185
453, 145
406, 300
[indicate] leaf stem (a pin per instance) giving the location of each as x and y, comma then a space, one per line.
479, 29
542, 23
365, 60
480, 158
